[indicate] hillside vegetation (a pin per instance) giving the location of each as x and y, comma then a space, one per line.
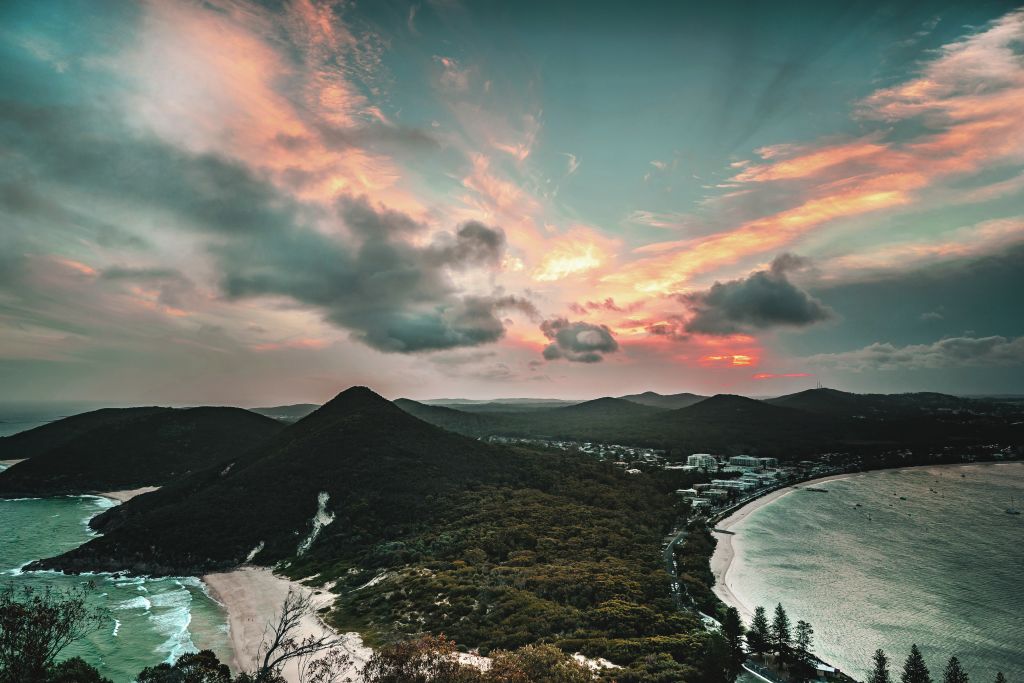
427, 531
32, 442
149, 447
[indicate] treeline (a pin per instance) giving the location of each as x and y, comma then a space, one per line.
915, 670
786, 646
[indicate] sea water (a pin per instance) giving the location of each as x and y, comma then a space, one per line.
890, 558
148, 621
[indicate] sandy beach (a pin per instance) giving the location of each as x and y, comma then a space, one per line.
252, 597
11, 463
127, 494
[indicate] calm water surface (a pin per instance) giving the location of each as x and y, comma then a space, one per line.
923, 555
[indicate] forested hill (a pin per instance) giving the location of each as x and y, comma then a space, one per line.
426, 530
668, 402
146, 447
789, 427
32, 442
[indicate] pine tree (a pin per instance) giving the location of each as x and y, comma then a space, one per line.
1000, 678
759, 637
802, 639
914, 669
880, 674
802, 668
780, 633
732, 629
954, 672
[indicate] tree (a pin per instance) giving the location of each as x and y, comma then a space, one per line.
802, 642
880, 672
914, 669
431, 659
732, 629
1000, 678
537, 664
318, 658
36, 625
954, 673
75, 670
780, 633
193, 667
759, 635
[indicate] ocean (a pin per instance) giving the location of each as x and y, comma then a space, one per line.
886, 559
149, 620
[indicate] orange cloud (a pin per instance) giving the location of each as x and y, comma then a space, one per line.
787, 375
969, 101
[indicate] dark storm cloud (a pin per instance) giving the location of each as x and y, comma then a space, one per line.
392, 295
579, 342
763, 300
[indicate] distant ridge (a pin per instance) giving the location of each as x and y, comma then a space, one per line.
842, 403
288, 413
667, 401
608, 407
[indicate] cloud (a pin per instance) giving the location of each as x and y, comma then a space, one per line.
608, 304
373, 271
393, 295
578, 342
763, 300
953, 352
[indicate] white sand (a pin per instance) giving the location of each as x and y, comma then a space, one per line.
253, 598
11, 463
127, 494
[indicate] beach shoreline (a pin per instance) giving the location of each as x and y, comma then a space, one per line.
252, 597
723, 557
127, 494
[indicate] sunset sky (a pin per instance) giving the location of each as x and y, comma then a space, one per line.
253, 203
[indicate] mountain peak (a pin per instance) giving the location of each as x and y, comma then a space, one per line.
356, 398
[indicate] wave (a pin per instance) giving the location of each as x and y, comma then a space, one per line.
135, 603
171, 618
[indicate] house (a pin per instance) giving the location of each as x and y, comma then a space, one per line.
703, 461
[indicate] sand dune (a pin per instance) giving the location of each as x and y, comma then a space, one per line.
253, 598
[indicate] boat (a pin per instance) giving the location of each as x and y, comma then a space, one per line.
1012, 510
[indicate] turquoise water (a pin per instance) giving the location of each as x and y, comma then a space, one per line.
150, 620
942, 568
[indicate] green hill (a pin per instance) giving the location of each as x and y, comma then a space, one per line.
32, 442
289, 413
422, 530
880, 406
666, 401
150, 449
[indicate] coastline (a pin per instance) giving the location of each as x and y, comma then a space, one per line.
252, 598
127, 494
727, 543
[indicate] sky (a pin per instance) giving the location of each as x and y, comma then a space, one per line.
256, 203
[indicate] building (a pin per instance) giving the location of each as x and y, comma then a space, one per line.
687, 493
768, 463
745, 461
703, 461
